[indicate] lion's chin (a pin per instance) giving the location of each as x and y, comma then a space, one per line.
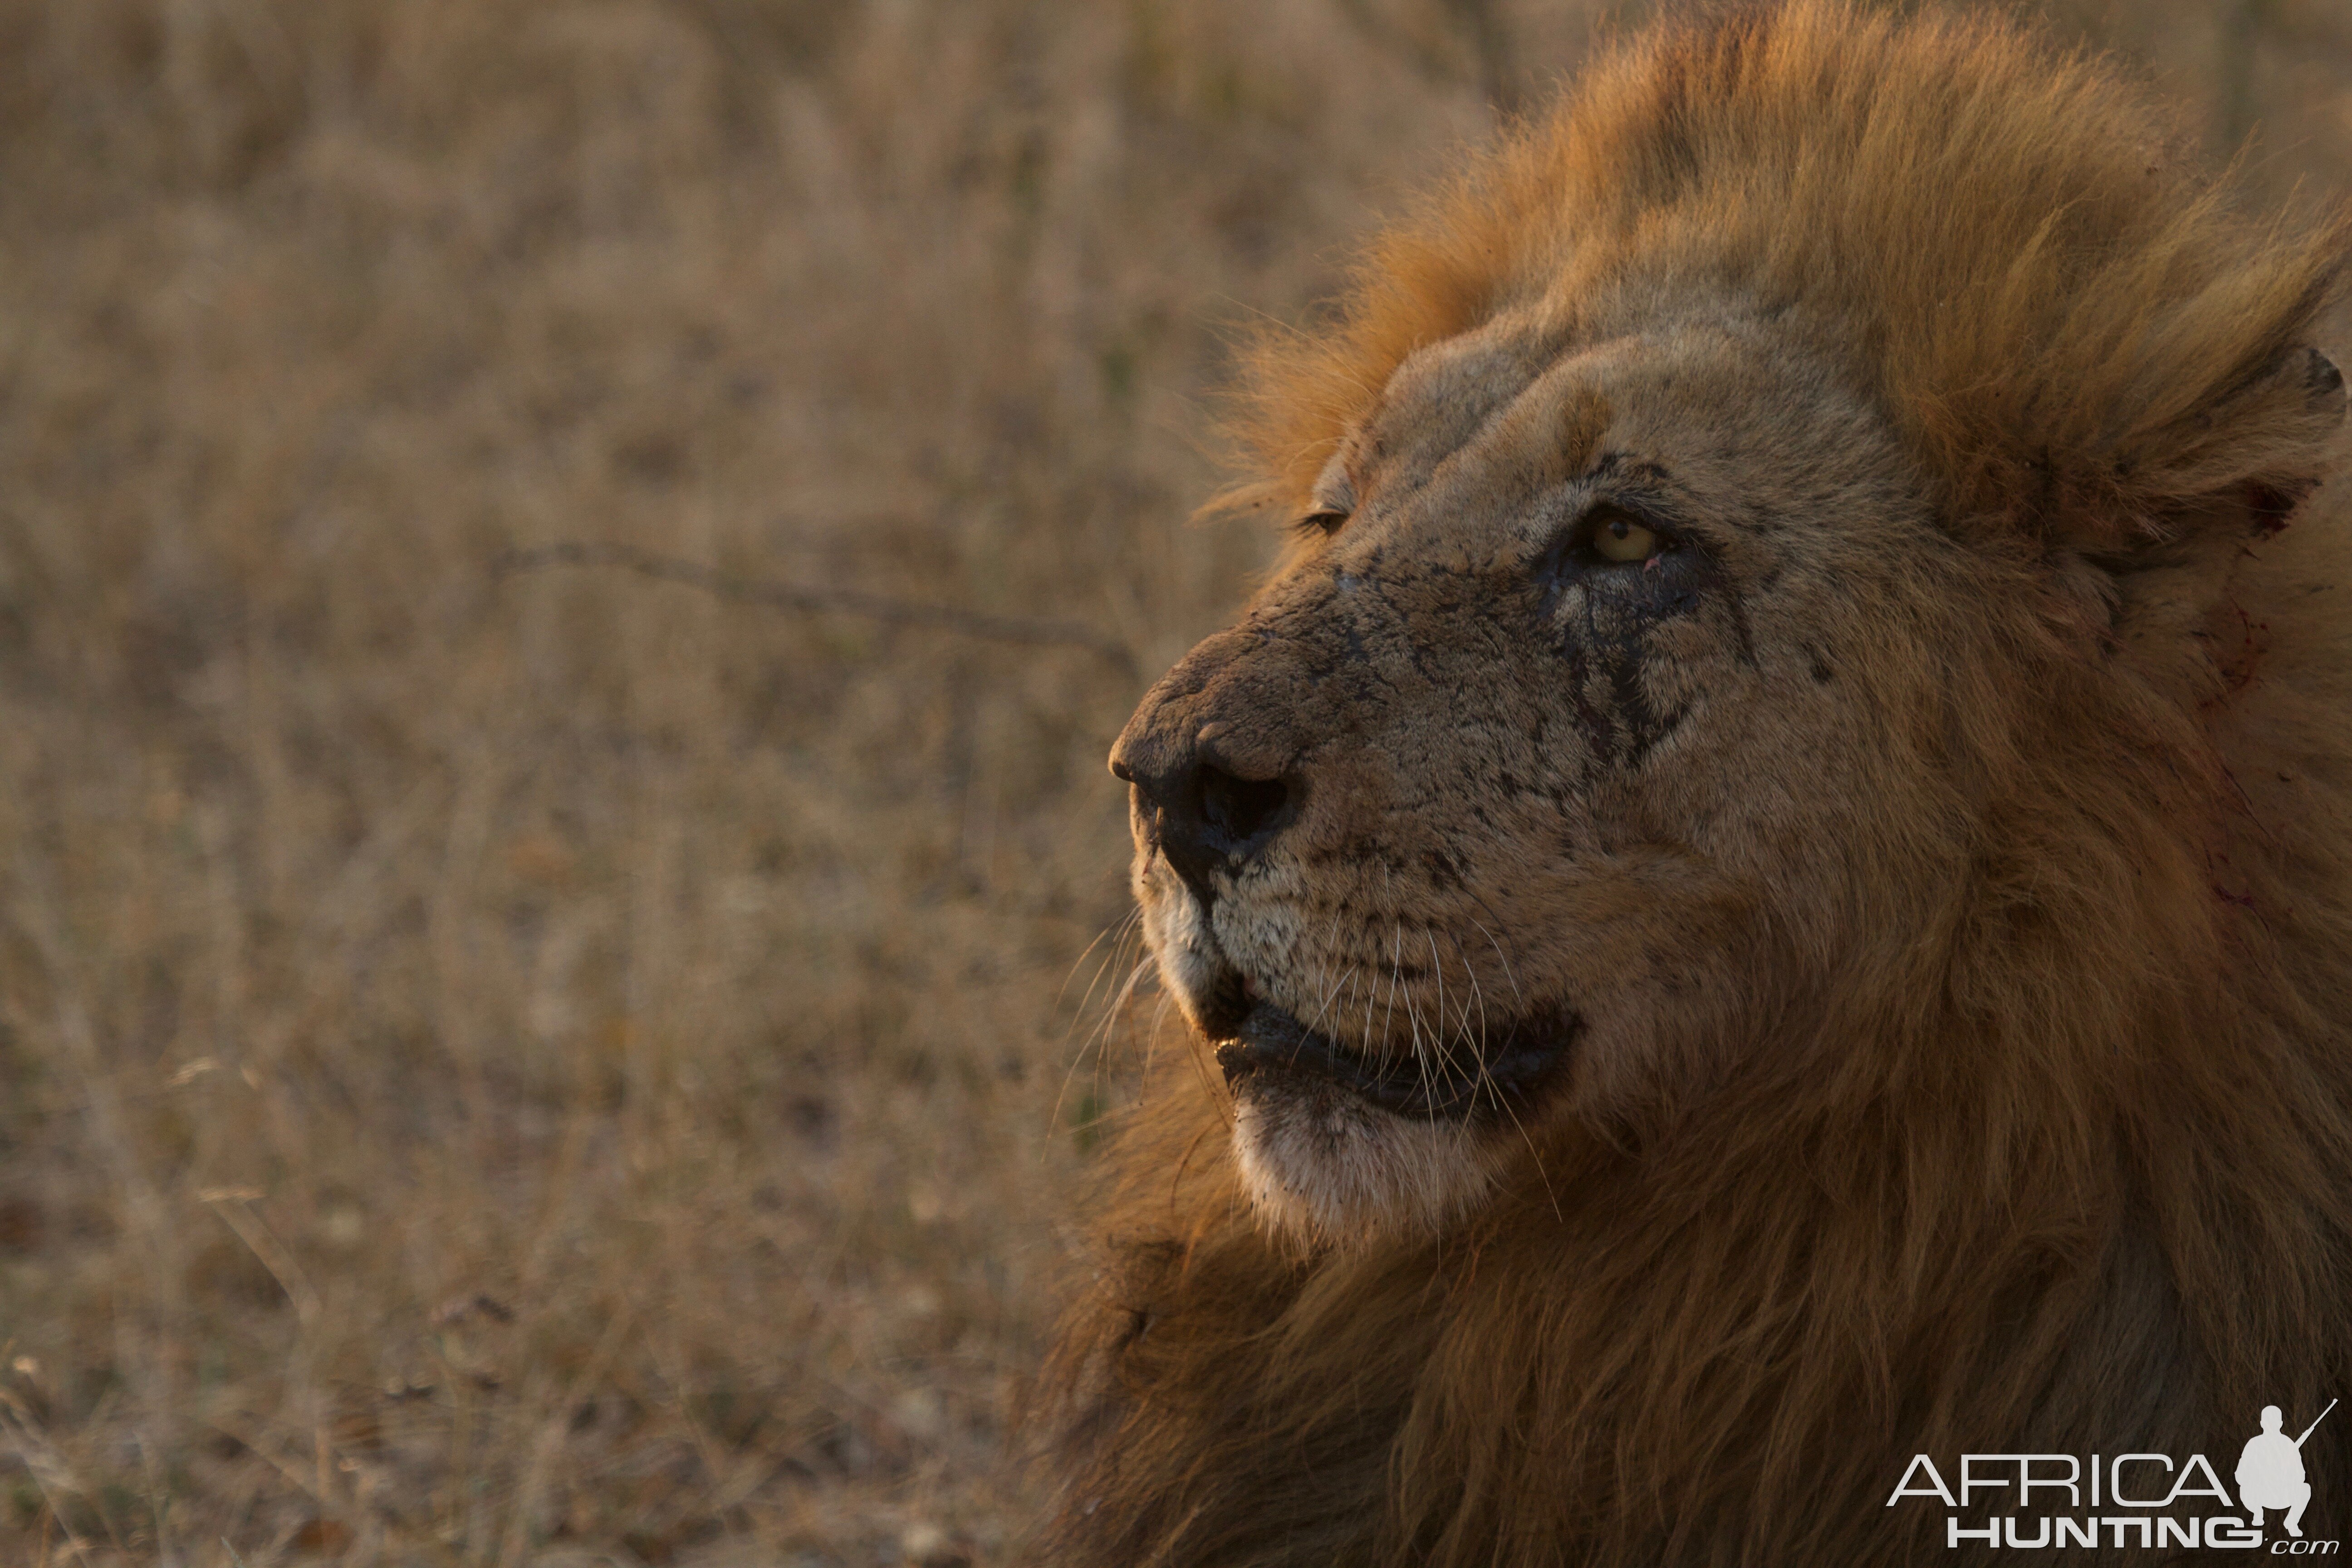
1330, 1169
1337, 1148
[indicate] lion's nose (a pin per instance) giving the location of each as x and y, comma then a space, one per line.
1210, 812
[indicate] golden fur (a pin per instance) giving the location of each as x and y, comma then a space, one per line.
1931, 871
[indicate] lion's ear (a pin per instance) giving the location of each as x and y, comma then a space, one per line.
2322, 386
2144, 393
2247, 451
2311, 387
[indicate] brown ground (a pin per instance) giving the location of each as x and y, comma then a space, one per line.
553, 1065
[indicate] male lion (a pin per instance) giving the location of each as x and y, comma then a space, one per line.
1771, 880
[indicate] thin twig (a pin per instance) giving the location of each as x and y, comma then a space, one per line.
822, 601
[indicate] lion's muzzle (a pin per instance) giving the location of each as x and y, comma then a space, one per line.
1218, 786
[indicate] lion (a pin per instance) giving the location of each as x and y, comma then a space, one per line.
1767, 888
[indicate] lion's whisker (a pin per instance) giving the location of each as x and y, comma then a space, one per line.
1503, 959
1097, 1035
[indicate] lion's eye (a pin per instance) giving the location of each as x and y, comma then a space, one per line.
1323, 521
1617, 537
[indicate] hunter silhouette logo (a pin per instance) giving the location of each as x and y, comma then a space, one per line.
2270, 1472
2146, 1492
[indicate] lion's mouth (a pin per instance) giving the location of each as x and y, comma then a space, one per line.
1474, 1080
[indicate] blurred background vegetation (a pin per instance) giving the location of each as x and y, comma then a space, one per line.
555, 1066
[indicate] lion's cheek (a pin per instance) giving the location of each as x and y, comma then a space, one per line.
1265, 935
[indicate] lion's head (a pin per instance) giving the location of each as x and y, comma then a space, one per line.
1762, 548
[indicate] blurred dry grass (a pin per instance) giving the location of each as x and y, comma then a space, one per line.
560, 1067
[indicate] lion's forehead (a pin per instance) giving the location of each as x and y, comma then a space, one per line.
1441, 396
1480, 446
